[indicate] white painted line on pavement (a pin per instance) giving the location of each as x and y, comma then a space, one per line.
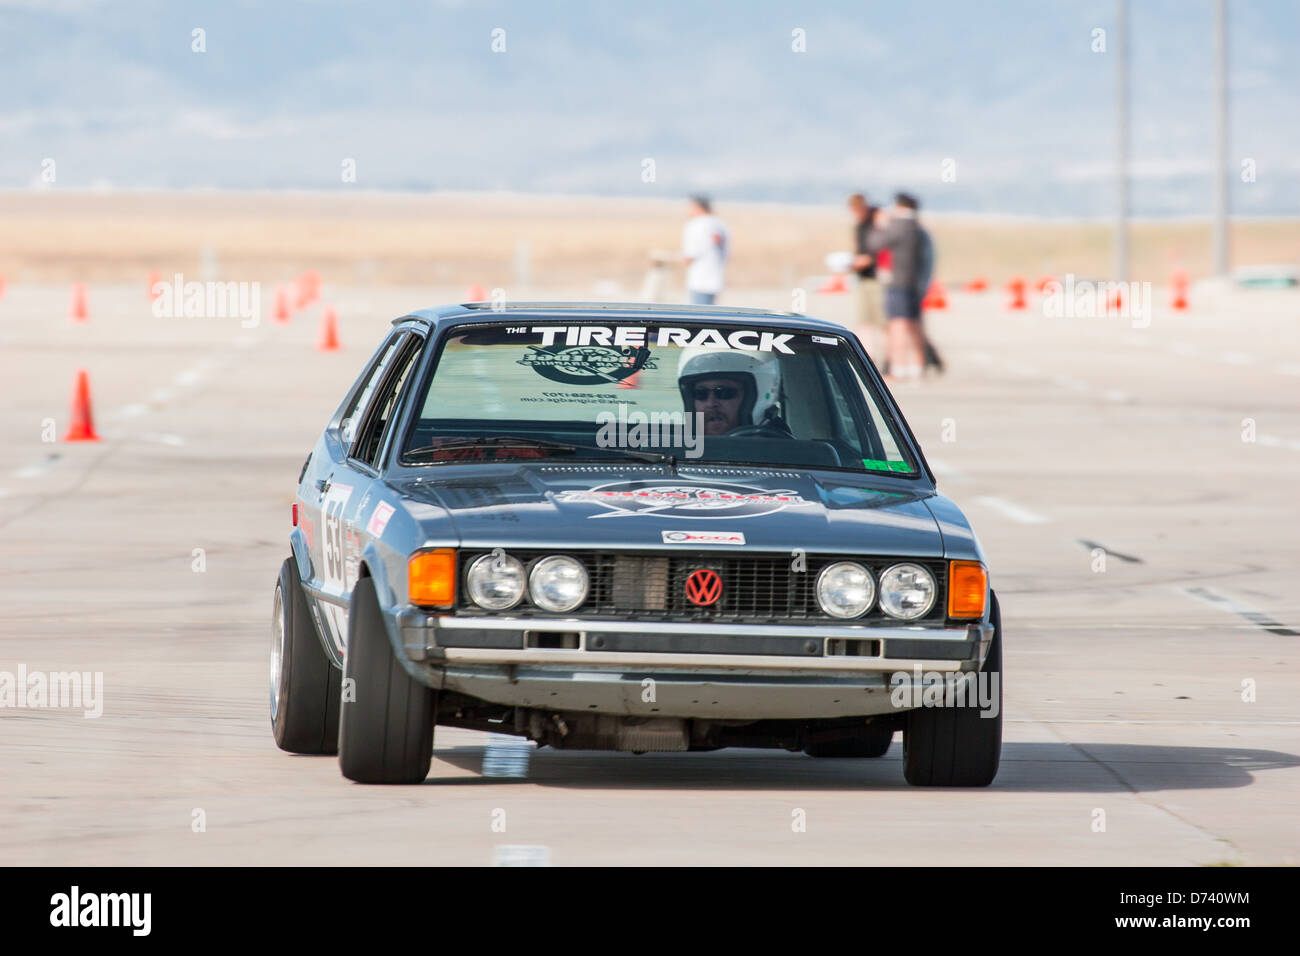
1236, 358
946, 469
1073, 384
129, 411
190, 376
1116, 395
163, 439
1011, 510
1273, 441
1021, 369
161, 396
506, 756
38, 469
521, 856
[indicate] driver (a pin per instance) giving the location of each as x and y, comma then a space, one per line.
731, 389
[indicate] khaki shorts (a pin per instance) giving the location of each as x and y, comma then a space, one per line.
870, 305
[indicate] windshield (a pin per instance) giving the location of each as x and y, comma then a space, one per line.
692, 392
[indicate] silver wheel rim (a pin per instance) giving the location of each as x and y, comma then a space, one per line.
277, 650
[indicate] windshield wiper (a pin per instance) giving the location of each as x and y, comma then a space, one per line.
542, 444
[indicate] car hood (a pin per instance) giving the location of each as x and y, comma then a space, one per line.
704, 507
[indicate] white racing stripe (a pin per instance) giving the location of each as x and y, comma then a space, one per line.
1010, 509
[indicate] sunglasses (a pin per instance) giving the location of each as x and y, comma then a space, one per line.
721, 392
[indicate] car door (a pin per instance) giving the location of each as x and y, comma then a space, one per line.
351, 491
324, 490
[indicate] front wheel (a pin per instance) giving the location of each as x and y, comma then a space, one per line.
386, 731
959, 746
304, 682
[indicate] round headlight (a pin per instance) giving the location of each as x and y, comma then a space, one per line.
845, 589
907, 591
495, 581
558, 583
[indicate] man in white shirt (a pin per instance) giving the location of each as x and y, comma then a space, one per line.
704, 251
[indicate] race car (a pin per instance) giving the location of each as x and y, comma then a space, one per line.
631, 528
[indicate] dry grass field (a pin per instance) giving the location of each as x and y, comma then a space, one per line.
571, 242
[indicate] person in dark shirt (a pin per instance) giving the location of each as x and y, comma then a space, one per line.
898, 231
869, 308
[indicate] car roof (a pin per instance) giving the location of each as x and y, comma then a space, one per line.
473, 312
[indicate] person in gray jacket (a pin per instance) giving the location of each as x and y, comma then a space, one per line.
898, 231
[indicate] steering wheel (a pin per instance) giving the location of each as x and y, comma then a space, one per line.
759, 431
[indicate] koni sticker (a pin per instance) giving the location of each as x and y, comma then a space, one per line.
704, 502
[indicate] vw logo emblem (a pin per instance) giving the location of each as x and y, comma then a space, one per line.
703, 587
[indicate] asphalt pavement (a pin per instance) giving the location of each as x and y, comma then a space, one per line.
1136, 487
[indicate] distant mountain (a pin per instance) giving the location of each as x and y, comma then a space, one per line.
717, 95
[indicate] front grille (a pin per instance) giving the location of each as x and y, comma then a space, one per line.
756, 588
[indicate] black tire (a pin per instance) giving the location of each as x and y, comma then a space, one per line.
871, 741
305, 696
955, 746
386, 731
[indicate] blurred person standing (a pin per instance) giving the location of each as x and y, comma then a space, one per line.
705, 246
898, 231
869, 317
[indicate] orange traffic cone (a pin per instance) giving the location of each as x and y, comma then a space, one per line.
1017, 289
308, 288
280, 313
833, 285
476, 293
1178, 290
82, 425
154, 281
978, 284
936, 297
329, 331
78, 309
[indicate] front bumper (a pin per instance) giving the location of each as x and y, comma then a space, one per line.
673, 669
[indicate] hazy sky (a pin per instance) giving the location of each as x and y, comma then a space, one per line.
713, 93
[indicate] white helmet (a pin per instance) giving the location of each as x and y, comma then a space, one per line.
759, 377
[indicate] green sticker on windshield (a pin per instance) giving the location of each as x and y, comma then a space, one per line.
875, 464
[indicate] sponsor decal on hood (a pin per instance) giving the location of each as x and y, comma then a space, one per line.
703, 537
683, 500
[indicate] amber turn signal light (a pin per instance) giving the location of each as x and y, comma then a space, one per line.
968, 588
432, 577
